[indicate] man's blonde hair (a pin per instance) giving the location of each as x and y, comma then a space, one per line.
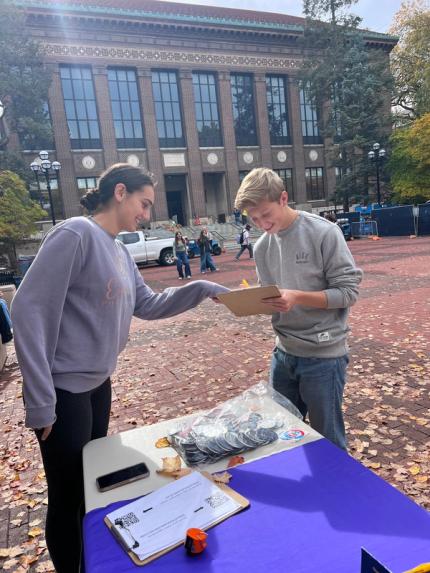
260, 184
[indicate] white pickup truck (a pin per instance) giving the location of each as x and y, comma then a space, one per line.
148, 247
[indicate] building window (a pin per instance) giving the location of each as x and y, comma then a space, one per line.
85, 183
125, 103
242, 175
207, 114
277, 108
80, 106
309, 117
287, 177
242, 95
167, 109
314, 183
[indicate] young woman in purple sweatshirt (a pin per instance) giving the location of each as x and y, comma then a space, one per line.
71, 317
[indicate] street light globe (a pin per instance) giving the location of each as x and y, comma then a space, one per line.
43, 155
371, 155
376, 146
382, 153
46, 165
1, 109
56, 165
35, 166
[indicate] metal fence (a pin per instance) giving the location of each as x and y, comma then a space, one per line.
364, 228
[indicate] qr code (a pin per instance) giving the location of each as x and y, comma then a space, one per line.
216, 500
129, 519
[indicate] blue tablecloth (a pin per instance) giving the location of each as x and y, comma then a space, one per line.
312, 509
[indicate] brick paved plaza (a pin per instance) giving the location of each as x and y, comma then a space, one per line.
179, 365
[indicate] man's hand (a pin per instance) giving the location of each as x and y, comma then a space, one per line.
45, 433
285, 302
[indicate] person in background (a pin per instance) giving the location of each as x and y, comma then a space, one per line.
71, 317
205, 247
236, 214
180, 252
244, 216
246, 243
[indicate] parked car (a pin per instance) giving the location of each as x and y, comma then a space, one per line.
147, 247
194, 250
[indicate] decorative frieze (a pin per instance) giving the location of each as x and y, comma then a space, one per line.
155, 57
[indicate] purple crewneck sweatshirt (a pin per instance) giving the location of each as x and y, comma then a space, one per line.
72, 313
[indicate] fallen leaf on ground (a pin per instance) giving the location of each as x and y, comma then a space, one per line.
224, 477
170, 465
35, 531
414, 470
11, 551
235, 461
162, 443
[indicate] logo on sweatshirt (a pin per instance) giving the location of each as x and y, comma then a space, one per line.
302, 257
323, 336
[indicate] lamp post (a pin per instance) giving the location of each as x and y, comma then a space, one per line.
45, 166
377, 156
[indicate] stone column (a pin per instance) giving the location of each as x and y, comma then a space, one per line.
152, 143
263, 120
195, 174
297, 139
229, 138
67, 177
104, 110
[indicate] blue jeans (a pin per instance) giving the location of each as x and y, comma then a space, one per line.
314, 386
206, 262
182, 259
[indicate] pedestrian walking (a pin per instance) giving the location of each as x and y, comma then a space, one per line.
205, 247
180, 252
71, 317
245, 243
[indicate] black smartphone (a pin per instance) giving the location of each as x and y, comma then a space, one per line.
122, 477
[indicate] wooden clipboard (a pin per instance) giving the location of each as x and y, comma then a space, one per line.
248, 301
242, 501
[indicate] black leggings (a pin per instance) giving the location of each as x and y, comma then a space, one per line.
80, 418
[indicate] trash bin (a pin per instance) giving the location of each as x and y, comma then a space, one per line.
24, 262
221, 218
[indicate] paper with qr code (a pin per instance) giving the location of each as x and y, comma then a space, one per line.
160, 519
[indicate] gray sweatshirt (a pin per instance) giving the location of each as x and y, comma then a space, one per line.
73, 310
310, 255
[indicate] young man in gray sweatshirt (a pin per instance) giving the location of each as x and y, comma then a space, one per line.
307, 258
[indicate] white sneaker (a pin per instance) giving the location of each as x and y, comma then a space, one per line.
203, 272
180, 278
189, 278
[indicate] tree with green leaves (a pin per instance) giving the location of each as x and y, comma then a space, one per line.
409, 164
410, 60
350, 84
24, 84
18, 213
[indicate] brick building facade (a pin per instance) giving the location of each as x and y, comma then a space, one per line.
198, 95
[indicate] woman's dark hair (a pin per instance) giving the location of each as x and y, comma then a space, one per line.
134, 178
176, 237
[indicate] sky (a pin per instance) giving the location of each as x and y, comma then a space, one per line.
377, 14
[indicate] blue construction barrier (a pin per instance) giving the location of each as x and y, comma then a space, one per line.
395, 221
423, 227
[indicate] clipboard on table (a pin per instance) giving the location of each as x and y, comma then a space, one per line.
239, 499
248, 301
